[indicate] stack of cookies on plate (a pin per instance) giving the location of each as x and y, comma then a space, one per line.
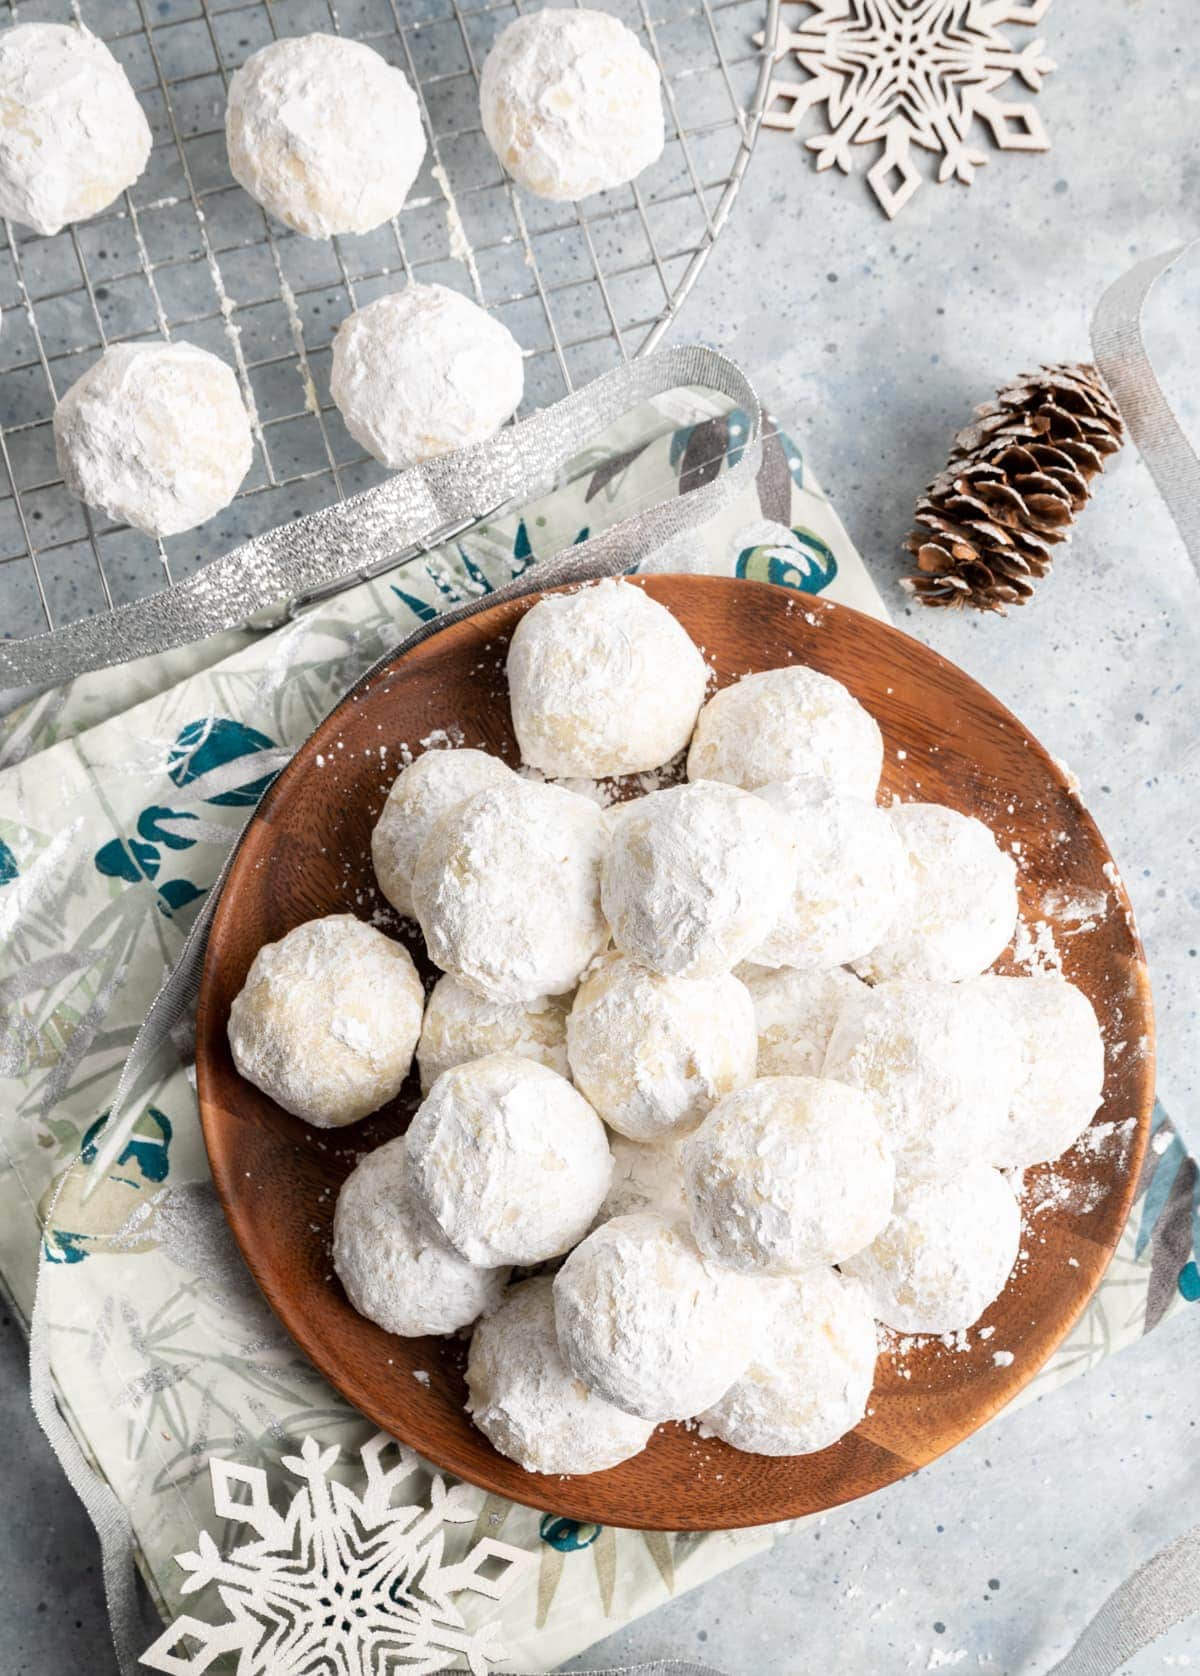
715, 1079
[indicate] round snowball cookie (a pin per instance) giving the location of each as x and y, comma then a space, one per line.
460, 1026
649, 1324
509, 1161
423, 371
787, 724
72, 134
945, 1254
527, 1402
788, 1174
395, 1268
1062, 1066
156, 435
328, 1019
811, 1380
695, 877
960, 908
653, 1054
507, 890
646, 1176
571, 103
420, 795
324, 133
850, 878
942, 1064
602, 681
795, 1013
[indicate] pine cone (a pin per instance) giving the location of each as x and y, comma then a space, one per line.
1015, 481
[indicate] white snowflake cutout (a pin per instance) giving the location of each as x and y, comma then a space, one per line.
905, 73
342, 1583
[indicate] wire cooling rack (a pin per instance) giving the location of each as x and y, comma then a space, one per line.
187, 253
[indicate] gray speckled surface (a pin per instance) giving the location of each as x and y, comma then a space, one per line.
873, 340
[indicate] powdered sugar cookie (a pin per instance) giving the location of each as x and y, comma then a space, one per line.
810, 1382
529, 1403
509, 1161
944, 1255
788, 1174
395, 1267
653, 1053
327, 1020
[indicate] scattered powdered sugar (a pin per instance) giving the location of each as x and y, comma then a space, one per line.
942, 1658
1035, 950
1110, 1140
460, 244
603, 793
1076, 911
1069, 775
1051, 1188
1003, 1358
444, 739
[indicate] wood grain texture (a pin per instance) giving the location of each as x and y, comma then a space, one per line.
947, 740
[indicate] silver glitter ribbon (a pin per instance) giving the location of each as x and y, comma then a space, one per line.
413, 512
1120, 353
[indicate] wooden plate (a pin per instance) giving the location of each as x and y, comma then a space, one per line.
307, 853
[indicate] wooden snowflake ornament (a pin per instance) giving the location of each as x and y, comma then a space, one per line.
905, 73
340, 1584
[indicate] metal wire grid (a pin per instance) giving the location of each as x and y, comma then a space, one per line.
187, 252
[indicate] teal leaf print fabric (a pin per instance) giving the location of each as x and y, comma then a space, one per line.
794, 558
210, 743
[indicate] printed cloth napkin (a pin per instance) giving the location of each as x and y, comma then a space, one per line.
119, 797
